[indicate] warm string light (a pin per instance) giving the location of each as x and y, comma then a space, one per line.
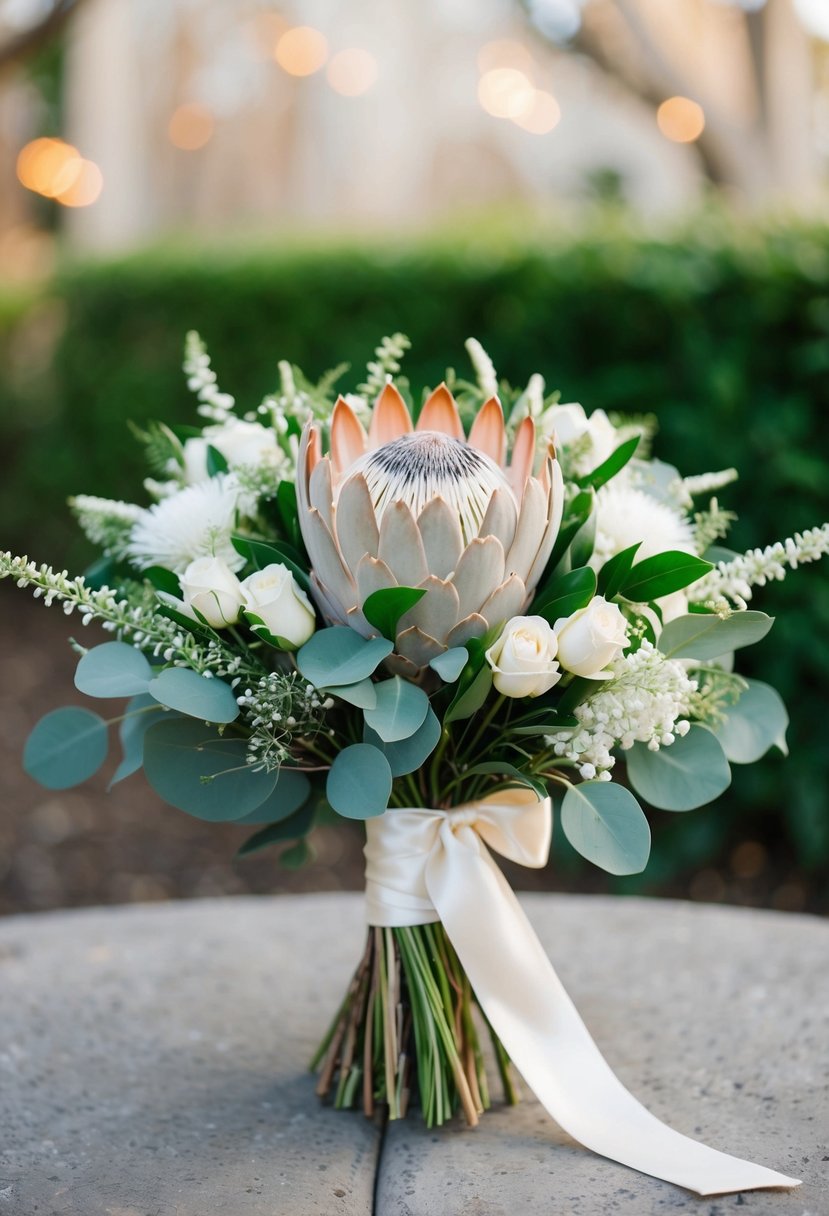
681, 120
506, 88
56, 169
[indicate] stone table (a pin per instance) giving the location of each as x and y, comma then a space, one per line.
152, 1063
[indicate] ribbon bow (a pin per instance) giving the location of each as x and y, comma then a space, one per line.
425, 865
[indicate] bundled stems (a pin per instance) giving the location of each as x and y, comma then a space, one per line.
408, 1027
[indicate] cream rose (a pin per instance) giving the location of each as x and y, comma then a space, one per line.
210, 588
239, 442
523, 659
273, 596
590, 639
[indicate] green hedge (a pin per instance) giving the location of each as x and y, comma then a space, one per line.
724, 335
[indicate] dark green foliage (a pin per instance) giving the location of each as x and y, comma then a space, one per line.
724, 336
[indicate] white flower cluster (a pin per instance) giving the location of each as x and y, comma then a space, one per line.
277, 708
194, 522
625, 514
107, 522
711, 525
686, 489
386, 363
734, 580
646, 702
484, 368
201, 380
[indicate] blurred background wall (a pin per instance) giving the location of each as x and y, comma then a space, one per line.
626, 195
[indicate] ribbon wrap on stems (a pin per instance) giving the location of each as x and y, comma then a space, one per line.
424, 866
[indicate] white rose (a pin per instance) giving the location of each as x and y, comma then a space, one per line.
211, 588
568, 423
590, 639
523, 659
239, 442
283, 607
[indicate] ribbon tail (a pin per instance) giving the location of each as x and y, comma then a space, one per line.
526, 1003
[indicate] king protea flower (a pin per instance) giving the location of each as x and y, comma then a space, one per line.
426, 507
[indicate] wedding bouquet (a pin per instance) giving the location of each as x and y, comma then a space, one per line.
438, 615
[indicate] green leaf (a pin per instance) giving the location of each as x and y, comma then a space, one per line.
359, 782
67, 746
662, 574
163, 580
613, 572
286, 505
757, 722
407, 755
547, 726
514, 775
216, 462
699, 636
384, 608
363, 694
400, 709
582, 544
688, 774
576, 514
338, 655
196, 627
262, 631
566, 595
450, 664
113, 669
201, 772
209, 699
610, 467
604, 822
291, 792
140, 714
296, 826
574, 694
469, 700
298, 855
101, 573
261, 554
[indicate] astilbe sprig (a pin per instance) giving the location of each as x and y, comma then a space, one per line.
734, 580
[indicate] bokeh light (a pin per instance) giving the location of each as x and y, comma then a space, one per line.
681, 119
191, 126
505, 92
48, 166
541, 116
352, 72
301, 51
505, 53
85, 188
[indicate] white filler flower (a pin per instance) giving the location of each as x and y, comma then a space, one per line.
625, 515
195, 522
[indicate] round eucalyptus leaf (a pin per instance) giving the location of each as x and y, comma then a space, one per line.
291, 792
339, 655
113, 669
604, 822
407, 755
359, 782
66, 747
689, 773
450, 663
399, 710
757, 722
201, 772
702, 635
141, 713
202, 697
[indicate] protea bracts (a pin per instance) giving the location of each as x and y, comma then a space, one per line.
426, 506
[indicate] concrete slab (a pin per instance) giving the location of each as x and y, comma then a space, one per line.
153, 1061
716, 1018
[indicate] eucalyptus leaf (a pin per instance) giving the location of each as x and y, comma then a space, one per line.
604, 822
566, 595
290, 793
362, 694
757, 722
407, 755
384, 608
209, 699
704, 636
662, 574
399, 710
66, 747
359, 782
293, 828
689, 773
450, 664
113, 669
201, 772
141, 713
338, 656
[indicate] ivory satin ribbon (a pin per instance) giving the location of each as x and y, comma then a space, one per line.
424, 866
